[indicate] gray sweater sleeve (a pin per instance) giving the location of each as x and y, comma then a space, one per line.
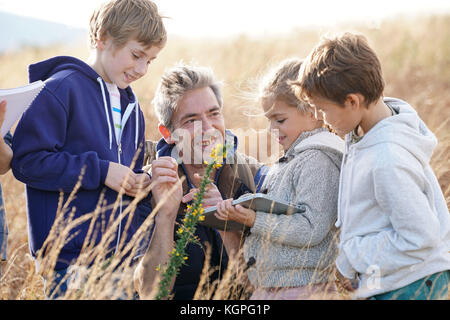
315, 180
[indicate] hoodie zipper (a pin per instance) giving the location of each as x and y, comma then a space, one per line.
125, 118
119, 153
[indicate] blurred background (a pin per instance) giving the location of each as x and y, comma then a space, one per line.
240, 40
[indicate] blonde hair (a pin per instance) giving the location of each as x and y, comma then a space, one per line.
174, 84
276, 85
123, 20
340, 66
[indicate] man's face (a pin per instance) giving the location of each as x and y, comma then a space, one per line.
341, 117
198, 125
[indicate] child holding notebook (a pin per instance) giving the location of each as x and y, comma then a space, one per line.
293, 254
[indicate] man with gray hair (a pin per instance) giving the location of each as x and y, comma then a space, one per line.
188, 103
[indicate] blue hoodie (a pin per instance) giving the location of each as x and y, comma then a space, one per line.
67, 128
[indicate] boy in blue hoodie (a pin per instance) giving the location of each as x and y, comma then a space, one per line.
394, 220
87, 121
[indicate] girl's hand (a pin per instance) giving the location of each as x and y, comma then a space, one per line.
226, 211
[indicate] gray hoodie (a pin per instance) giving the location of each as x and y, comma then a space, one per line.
299, 249
395, 226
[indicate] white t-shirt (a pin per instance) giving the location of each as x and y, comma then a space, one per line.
114, 96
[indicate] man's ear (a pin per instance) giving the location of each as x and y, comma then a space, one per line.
165, 132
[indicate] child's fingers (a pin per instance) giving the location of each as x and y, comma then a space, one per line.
127, 186
220, 216
220, 212
242, 209
228, 205
129, 180
143, 180
219, 208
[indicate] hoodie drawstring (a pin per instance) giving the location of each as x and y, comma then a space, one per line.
105, 104
136, 136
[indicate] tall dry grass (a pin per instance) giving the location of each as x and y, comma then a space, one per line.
415, 55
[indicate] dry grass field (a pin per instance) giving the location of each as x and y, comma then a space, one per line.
415, 55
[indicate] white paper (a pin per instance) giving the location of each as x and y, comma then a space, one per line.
18, 100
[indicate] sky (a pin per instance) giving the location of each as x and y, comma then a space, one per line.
199, 18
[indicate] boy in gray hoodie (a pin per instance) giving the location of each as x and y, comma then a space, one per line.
294, 254
395, 226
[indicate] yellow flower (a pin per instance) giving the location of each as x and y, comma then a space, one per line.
217, 153
180, 230
185, 258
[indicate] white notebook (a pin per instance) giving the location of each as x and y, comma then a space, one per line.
18, 100
255, 201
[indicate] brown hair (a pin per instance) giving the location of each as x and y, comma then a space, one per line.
123, 20
276, 85
340, 66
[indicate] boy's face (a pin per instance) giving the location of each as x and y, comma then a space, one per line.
125, 65
198, 125
289, 122
343, 118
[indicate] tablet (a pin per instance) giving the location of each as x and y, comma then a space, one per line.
257, 202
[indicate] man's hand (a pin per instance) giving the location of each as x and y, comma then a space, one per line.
165, 177
211, 197
226, 211
120, 177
